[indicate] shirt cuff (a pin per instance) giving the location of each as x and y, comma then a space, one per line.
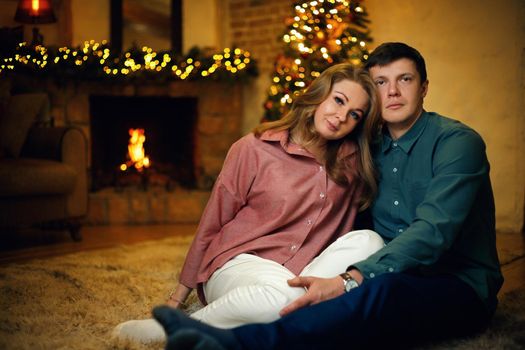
371, 270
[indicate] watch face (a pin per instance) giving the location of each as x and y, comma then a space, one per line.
350, 284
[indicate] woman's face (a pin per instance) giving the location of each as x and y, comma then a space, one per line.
341, 111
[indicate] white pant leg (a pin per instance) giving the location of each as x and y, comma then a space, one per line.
348, 249
247, 289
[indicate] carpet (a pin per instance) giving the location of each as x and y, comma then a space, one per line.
74, 301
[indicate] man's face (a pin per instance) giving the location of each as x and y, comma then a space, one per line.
401, 92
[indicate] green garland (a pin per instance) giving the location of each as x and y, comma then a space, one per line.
97, 61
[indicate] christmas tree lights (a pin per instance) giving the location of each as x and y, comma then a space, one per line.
95, 60
319, 34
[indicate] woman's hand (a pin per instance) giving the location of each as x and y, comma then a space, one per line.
177, 297
319, 289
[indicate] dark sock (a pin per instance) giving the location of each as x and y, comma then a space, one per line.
174, 321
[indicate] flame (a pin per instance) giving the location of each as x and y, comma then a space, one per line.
136, 152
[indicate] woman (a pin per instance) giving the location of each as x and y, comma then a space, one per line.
287, 193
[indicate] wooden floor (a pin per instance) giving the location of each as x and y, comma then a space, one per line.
28, 244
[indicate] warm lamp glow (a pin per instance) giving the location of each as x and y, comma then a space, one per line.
35, 12
35, 5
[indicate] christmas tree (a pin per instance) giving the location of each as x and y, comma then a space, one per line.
318, 35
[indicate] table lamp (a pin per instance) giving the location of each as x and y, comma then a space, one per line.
35, 12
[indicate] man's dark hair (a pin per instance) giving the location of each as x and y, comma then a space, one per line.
387, 53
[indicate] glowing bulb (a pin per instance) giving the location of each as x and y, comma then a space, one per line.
35, 5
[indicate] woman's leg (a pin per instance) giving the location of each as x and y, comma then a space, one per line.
390, 311
345, 251
247, 289
250, 289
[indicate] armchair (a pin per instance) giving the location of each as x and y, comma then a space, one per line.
43, 175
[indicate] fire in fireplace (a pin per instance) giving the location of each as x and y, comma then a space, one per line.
136, 153
118, 127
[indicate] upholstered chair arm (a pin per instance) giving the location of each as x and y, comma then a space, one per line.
67, 145
47, 142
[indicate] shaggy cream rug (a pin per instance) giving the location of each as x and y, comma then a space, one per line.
74, 301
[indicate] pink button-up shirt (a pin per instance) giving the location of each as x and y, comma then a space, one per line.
274, 200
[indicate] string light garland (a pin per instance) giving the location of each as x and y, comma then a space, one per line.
319, 34
95, 60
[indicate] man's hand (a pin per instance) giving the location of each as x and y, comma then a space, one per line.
319, 289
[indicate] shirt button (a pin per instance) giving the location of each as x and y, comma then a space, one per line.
322, 195
400, 230
395, 144
372, 275
320, 168
390, 269
309, 222
396, 203
294, 247
394, 170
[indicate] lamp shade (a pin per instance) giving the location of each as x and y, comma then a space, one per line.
35, 12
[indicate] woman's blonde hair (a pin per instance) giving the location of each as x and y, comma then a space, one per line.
300, 119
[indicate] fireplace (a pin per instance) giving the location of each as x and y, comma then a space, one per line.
194, 122
169, 127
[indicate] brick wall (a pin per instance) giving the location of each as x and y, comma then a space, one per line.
257, 26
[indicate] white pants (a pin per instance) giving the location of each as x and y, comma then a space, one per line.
250, 289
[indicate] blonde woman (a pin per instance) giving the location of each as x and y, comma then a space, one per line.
283, 205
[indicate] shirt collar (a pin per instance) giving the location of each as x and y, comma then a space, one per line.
407, 141
282, 136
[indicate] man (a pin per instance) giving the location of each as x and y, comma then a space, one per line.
437, 276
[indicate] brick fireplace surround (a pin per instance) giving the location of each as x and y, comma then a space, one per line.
218, 125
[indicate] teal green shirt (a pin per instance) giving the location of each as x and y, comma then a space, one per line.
435, 208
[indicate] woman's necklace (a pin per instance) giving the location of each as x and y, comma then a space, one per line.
313, 149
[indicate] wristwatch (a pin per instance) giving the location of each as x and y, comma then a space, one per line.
349, 282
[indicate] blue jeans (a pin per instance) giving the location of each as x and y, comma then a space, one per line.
392, 311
